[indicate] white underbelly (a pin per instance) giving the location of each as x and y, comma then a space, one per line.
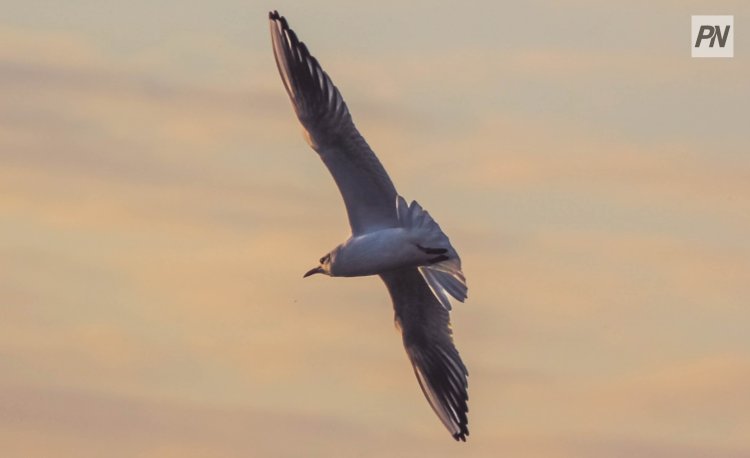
378, 252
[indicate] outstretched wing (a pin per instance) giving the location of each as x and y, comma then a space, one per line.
368, 192
425, 327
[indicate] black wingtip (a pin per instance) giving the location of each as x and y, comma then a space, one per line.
461, 436
275, 16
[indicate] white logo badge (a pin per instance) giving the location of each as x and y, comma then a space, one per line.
712, 36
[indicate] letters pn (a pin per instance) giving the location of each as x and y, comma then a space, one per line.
712, 32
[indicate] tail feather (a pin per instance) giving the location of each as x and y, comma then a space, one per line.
444, 278
454, 281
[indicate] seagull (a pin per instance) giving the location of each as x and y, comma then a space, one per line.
397, 241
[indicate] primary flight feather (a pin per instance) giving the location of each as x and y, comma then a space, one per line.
400, 242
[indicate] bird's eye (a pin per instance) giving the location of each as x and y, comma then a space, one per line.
325, 259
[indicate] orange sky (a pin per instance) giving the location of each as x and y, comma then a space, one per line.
158, 207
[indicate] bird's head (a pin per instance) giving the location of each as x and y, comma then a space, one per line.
323, 268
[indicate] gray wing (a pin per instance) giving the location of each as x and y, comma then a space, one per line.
425, 327
369, 194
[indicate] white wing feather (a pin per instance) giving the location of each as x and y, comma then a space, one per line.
369, 194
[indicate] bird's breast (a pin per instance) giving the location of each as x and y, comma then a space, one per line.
377, 252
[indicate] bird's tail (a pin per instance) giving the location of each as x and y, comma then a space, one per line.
444, 275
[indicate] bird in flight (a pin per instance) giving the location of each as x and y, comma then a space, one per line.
397, 241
